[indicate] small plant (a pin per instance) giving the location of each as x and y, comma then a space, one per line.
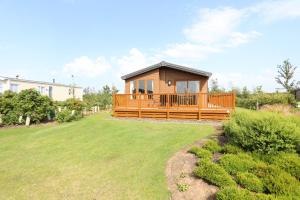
182, 187
250, 181
212, 146
182, 175
201, 153
214, 174
232, 149
234, 163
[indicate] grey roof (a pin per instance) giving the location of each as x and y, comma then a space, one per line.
38, 82
169, 65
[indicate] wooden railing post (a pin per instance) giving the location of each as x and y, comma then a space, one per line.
199, 106
168, 105
114, 104
233, 101
139, 106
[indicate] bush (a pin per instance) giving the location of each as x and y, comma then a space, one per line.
66, 116
288, 162
26, 103
74, 104
31, 103
277, 181
232, 149
201, 153
237, 163
250, 181
266, 99
263, 132
235, 193
7, 108
71, 104
214, 174
212, 146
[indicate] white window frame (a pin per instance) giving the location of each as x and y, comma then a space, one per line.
14, 86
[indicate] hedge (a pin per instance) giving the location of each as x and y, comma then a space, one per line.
266, 99
264, 132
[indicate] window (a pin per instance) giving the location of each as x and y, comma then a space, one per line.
14, 87
149, 86
181, 86
132, 87
187, 86
150, 89
141, 86
50, 92
1, 88
41, 89
193, 86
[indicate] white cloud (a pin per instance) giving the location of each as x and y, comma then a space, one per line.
277, 10
238, 38
134, 61
84, 66
214, 25
213, 31
189, 50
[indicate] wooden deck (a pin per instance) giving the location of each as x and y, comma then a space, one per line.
174, 106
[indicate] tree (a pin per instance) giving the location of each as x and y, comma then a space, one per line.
245, 92
214, 88
102, 98
285, 75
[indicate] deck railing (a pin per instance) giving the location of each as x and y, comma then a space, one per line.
195, 101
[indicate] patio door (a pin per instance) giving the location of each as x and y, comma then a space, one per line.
186, 93
187, 87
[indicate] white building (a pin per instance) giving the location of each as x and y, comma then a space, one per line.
56, 91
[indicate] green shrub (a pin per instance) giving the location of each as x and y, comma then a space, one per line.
263, 132
66, 116
8, 108
234, 163
289, 162
250, 181
212, 146
182, 187
31, 103
235, 193
232, 149
201, 153
74, 104
213, 174
277, 181
266, 99
26, 103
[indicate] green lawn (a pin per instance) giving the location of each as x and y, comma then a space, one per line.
94, 158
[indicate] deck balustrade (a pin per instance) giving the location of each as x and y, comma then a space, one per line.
169, 105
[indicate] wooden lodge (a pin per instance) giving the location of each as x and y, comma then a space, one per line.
170, 91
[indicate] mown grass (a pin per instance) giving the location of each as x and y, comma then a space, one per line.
94, 158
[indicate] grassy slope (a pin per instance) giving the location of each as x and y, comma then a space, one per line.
95, 158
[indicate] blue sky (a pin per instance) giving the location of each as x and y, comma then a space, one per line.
240, 42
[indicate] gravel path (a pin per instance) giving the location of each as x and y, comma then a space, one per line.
179, 171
